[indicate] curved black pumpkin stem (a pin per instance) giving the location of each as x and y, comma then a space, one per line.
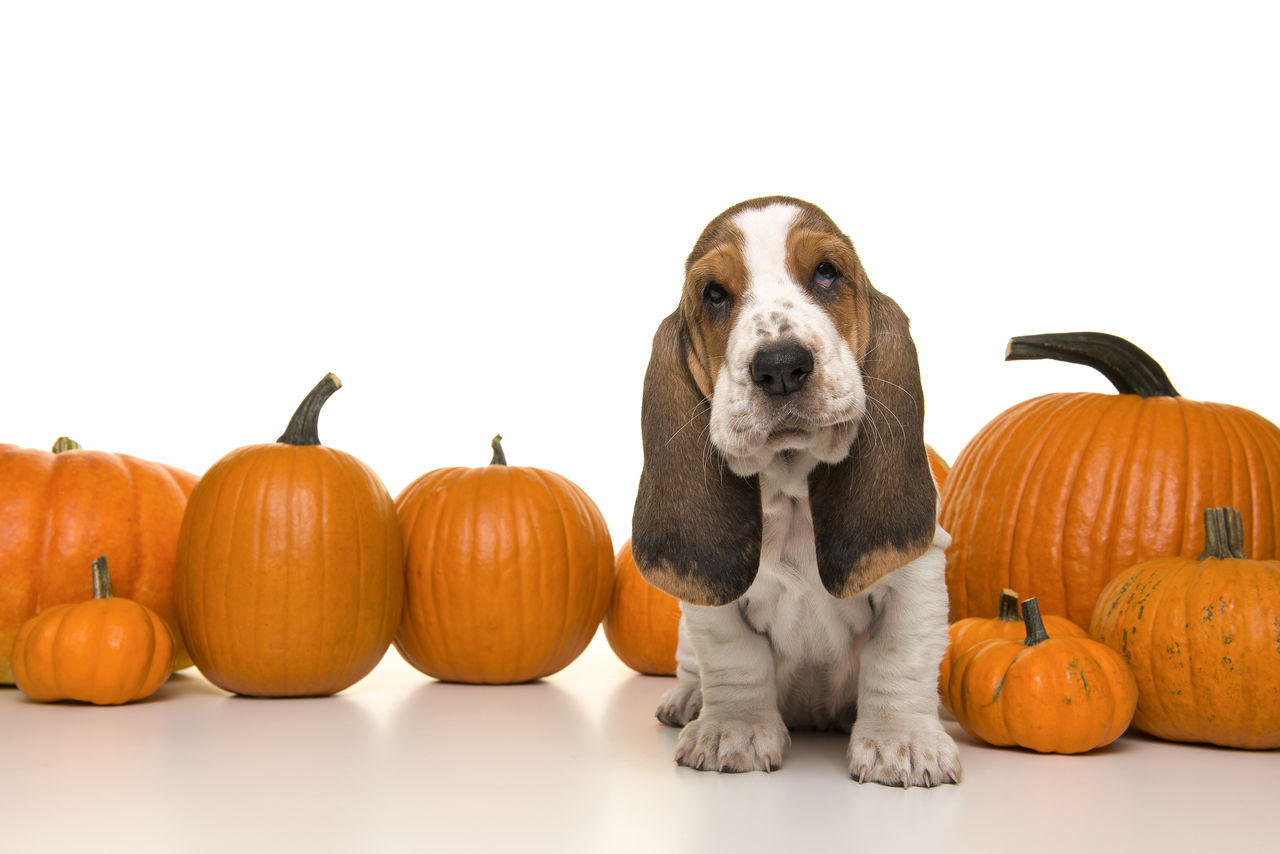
1128, 368
303, 427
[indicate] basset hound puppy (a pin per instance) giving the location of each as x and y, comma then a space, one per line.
786, 499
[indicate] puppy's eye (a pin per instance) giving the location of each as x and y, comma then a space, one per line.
715, 296
825, 275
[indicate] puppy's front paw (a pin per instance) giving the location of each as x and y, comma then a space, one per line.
898, 758
680, 704
726, 744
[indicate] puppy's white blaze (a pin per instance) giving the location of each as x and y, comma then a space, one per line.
764, 236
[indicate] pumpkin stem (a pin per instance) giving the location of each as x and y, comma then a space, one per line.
1223, 533
1008, 612
1128, 368
65, 444
499, 457
101, 579
303, 428
1034, 623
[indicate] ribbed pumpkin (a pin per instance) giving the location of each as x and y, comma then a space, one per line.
1203, 638
938, 465
60, 510
1007, 624
107, 650
290, 580
508, 572
1058, 494
1051, 695
642, 623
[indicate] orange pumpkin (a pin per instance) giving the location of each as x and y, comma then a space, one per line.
106, 651
60, 510
1203, 638
1051, 695
290, 581
938, 465
509, 572
1007, 624
1058, 494
642, 623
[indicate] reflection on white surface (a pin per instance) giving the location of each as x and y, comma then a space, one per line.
576, 762
499, 763
276, 769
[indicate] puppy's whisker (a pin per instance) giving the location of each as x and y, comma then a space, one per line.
909, 395
883, 407
697, 411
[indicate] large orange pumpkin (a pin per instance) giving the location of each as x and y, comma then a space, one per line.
1203, 638
61, 510
508, 572
642, 623
1051, 695
290, 580
108, 650
1058, 494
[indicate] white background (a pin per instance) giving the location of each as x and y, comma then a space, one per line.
475, 214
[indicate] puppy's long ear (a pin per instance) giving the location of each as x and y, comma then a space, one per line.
877, 510
695, 532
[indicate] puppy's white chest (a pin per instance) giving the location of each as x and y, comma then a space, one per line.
814, 636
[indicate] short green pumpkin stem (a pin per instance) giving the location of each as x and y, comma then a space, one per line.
1034, 622
303, 427
101, 579
65, 444
1128, 367
1223, 534
499, 457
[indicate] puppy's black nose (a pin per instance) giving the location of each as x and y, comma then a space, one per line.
782, 370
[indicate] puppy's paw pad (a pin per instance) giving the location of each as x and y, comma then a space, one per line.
732, 746
903, 759
680, 704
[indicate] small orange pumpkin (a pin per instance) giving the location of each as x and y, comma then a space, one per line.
1058, 494
105, 651
642, 623
938, 465
1051, 695
508, 572
60, 510
1203, 638
290, 581
1007, 624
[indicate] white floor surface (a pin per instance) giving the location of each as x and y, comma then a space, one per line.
574, 763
